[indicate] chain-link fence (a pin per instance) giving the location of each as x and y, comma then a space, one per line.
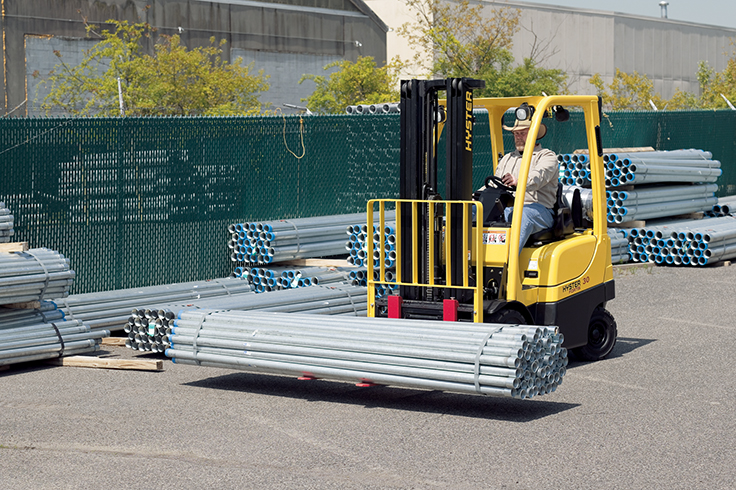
141, 201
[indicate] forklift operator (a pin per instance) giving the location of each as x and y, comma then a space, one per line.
541, 186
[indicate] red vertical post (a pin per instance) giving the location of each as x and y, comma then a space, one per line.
449, 310
394, 306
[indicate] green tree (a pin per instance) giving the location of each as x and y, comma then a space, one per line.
361, 82
627, 91
172, 81
713, 84
466, 40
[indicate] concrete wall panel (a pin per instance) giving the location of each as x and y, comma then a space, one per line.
322, 29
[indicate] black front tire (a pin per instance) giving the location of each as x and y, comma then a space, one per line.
602, 332
506, 317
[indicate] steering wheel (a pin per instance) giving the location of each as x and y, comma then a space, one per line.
498, 183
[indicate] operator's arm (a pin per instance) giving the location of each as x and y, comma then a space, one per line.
544, 170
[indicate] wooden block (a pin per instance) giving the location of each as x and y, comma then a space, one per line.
96, 362
616, 150
114, 341
629, 224
722, 263
316, 263
692, 216
28, 305
14, 247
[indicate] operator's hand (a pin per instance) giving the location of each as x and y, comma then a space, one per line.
509, 180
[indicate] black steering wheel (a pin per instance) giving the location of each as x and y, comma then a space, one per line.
498, 183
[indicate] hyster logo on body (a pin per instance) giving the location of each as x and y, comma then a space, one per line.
572, 287
469, 120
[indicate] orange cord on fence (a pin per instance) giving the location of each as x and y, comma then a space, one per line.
301, 135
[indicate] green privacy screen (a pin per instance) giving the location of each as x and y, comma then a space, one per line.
141, 201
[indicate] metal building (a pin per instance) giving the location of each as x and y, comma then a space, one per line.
285, 38
583, 42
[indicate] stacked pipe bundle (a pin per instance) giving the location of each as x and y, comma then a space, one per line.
33, 275
659, 202
270, 279
357, 245
619, 246
390, 107
42, 333
111, 309
498, 360
359, 237
723, 207
148, 328
273, 241
660, 166
6, 224
574, 169
685, 242
360, 278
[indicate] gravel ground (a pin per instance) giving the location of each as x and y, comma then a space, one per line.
658, 413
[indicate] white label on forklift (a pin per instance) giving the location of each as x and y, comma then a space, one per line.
532, 265
494, 238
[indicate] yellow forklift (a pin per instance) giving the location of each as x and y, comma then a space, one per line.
455, 257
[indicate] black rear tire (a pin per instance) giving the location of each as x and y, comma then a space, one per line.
602, 332
506, 317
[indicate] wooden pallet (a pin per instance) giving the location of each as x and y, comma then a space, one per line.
28, 305
99, 363
643, 223
314, 263
14, 247
114, 341
584, 151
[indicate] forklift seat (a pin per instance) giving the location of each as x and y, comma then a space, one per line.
564, 223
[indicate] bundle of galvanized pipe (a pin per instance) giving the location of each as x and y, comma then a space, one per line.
32, 335
34, 275
111, 309
685, 242
361, 252
359, 238
659, 201
273, 241
723, 207
498, 360
6, 224
147, 328
574, 169
265, 279
619, 246
660, 166
386, 108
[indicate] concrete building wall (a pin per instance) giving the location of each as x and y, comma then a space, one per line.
299, 31
592, 41
40, 60
583, 42
286, 69
395, 14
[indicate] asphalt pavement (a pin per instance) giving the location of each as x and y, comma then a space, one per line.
658, 413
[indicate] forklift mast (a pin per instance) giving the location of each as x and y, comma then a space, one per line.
421, 119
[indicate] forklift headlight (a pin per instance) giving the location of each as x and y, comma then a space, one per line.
524, 112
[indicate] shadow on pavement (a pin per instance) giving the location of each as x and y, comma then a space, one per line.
623, 346
476, 406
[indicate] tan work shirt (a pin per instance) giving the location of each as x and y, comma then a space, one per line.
541, 185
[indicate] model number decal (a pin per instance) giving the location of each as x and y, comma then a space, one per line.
494, 238
575, 286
